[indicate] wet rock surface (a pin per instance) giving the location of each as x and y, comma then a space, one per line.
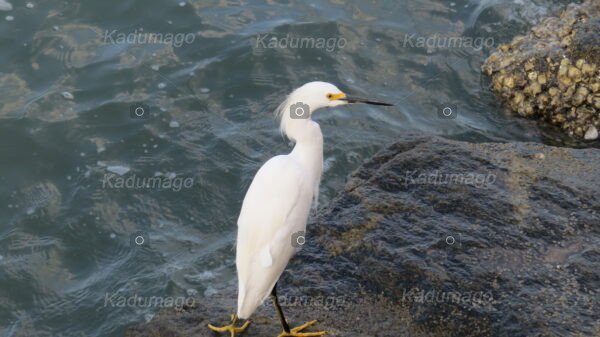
553, 72
433, 237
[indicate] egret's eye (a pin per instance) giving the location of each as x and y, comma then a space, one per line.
329, 96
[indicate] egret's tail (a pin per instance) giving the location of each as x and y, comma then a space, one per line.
247, 303
250, 299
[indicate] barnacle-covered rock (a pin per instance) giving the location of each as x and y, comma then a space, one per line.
553, 72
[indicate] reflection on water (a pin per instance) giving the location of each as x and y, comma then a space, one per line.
68, 83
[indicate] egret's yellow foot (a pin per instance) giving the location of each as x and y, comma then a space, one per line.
296, 332
231, 327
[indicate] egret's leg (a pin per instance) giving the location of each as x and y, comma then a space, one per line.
231, 327
295, 332
286, 327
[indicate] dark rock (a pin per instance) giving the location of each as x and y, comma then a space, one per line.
433, 237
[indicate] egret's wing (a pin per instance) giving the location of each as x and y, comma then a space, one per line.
268, 217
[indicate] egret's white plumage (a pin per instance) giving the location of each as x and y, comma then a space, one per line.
277, 205
279, 199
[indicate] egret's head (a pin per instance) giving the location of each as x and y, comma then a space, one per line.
318, 95
299, 106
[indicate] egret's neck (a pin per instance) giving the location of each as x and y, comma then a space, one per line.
309, 148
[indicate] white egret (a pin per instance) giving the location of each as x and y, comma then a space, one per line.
276, 207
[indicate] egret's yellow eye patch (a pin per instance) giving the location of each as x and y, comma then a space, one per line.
335, 97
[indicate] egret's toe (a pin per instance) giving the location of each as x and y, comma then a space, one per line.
297, 331
231, 327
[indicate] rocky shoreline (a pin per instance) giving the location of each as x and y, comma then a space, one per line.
553, 72
434, 237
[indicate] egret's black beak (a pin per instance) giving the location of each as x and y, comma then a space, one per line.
351, 99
